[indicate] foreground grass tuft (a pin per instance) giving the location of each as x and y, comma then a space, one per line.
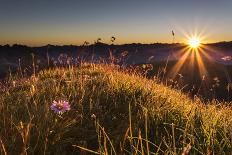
112, 112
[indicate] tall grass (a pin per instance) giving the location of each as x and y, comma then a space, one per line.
113, 111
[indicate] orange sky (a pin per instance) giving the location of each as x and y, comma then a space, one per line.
44, 22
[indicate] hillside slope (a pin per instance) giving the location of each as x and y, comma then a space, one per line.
112, 111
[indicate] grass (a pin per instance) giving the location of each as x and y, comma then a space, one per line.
113, 111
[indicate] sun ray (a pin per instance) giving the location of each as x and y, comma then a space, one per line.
212, 50
192, 58
201, 65
206, 54
177, 67
191, 54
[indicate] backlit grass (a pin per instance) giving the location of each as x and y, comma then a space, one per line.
112, 111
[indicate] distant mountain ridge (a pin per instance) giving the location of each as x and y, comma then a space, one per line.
136, 53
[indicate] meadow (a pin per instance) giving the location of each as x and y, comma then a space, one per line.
113, 110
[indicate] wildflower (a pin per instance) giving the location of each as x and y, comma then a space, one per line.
60, 106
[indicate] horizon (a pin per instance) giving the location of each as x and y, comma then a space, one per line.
79, 45
38, 23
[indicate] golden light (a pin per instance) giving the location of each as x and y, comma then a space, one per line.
191, 55
194, 42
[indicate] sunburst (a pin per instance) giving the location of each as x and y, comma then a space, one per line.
193, 52
194, 42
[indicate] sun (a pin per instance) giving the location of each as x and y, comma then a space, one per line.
194, 43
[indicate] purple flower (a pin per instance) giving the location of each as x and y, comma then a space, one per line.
60, 107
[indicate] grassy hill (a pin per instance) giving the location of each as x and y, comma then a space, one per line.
112, 111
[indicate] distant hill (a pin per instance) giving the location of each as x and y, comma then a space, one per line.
139, 53
135, 53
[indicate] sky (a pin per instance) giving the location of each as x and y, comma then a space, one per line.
65, 22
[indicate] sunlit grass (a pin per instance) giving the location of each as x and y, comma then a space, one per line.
113, 111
